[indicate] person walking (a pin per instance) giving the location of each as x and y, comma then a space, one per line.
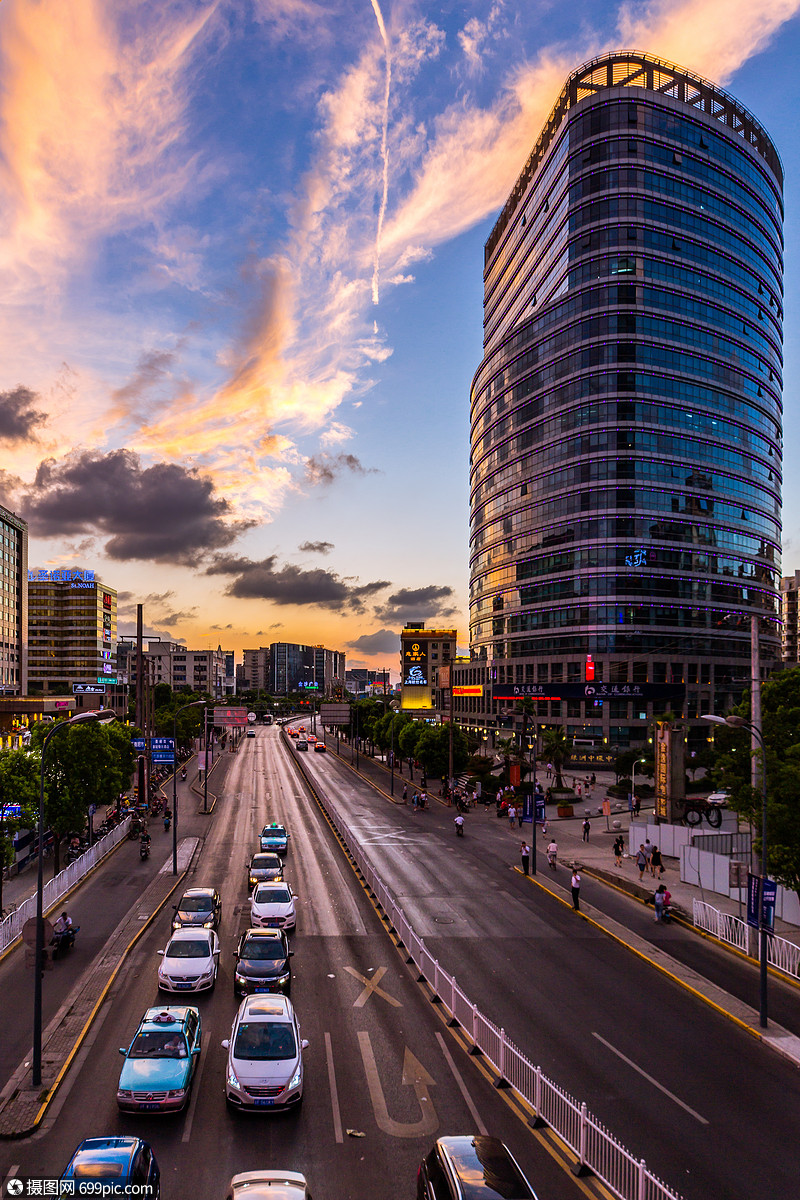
525, 852
575, 884
648, 849
586, 828
512, 816
552, 854
619, 846
655, 862
658, 901
641, 861
637, 805
549, 770
405, 793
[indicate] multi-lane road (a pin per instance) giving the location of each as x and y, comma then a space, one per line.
380, 1062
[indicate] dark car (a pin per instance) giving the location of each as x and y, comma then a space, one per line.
198, 906
264, 868
262, 962
127, 1162
274, 837
474, 1167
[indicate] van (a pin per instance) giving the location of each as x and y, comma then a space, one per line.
471, 1168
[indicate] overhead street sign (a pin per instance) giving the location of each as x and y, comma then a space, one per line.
162, 744
334, 714
235, 717
162, 756
139, 745
88, 689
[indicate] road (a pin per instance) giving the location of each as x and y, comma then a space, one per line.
367, 1020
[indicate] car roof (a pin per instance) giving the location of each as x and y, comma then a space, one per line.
190, 934
279, 1185
171, 1017
272, 885
199, 891
263, 934
274, 825
270, 854
478, 1160
267, 1006
107, 1149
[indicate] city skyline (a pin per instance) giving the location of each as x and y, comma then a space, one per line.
243, 288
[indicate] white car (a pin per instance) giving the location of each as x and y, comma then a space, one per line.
191, 961
265, 1055
268, 1185
272, 905
720, 799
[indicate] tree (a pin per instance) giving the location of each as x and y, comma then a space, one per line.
19, 785
433, 750
408, 739
556, 748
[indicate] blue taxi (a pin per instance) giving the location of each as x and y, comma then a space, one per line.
274, 837
160, 1061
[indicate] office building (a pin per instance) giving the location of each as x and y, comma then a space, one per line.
13, 604
426, 658
182, 669
626, 416
72, 632
286, 667
790, 642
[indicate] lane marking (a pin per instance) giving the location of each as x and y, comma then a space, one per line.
371, 986
337, 1116
187, 1132
414, 1075
650, 1079
462, 1087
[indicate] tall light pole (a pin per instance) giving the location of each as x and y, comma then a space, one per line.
103, 715
532, 755
740, 723
633, 781
176, 714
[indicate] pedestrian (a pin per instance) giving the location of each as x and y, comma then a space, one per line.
525, 852
637, 805
549, 770
405, 793
586, 828
414, 802
552, 854
579, 791
658, 901
594, 779
512, 816
630, 803
641, 861
544, 828
575, 884
648, 849
655, 862
619, 845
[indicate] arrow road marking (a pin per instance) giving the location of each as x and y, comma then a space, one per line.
414, 1075
650, 1079
370, 986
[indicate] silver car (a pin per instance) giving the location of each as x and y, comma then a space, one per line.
265, 1056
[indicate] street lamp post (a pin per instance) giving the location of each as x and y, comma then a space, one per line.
532, 755
176, 714
740, 723
633, 782
103, 715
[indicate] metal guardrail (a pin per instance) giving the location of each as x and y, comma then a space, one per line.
54, 889
596, 1149
782, 954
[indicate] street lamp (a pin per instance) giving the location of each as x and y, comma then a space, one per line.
532, 753
176, 714
103, 715
740, 723
633, 781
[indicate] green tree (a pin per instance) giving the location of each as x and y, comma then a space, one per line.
408, 739
556, 749
433, 750
19, 784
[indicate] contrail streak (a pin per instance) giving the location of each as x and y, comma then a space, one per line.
384, 150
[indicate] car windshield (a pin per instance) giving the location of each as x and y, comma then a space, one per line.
181, 949
263, 949
277, 831
196, 904
261, 862
158, 1043
272, 896
265, 1040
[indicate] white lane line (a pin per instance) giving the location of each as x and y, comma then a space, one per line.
462, 1087
650, 1079
337, 1117
187, 1132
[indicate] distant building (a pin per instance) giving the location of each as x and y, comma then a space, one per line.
790, 643
286, 667
173, 664
13, 604
426, 656
72, 631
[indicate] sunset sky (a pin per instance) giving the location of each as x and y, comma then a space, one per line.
241, 249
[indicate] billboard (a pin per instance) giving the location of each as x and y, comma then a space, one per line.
237, 717
415, 663
468, 689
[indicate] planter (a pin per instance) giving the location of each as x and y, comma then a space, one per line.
565, 810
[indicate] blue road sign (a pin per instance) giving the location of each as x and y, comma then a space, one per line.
162, 756
541, 812
769, 894
162, 744
139, 745
527, 807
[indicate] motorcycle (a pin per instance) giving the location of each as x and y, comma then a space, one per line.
183, 774
64, 940
144, 851
459, 824
166, 822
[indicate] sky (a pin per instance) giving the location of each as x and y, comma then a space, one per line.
241, 253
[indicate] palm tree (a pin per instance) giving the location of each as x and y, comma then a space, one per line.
557, 748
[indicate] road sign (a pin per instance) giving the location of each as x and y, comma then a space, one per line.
162, 756
334, 714
235, 717
769, 894
106, 679
139, 745
162, 743
88, 689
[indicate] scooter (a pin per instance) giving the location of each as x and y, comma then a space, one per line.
459, 824
166, 822
144, 851
65, 940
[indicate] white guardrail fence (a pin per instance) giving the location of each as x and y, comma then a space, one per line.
54, 889
597, 1150
781, 954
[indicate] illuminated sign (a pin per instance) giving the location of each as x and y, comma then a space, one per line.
74, 576
107, 600
472, 689
415, 664
106, 679
589, 691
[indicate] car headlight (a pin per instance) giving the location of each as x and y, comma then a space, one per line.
209, 923
295, 1082
253, 879
124, 1095
232, 1077
173, 1095
283, 978
209, 971
240, 978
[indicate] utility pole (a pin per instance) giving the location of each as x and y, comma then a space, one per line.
755, 704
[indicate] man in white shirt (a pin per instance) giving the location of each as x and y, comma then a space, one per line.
575, 883
63, 923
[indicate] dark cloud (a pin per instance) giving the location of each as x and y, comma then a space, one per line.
315, 547
162, 513
18, 415
151, 370
221, 628
175, 618
289, 584
325, 468
383, 641
411, 603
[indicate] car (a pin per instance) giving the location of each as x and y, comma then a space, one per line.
265, 1056
191, 961
124, 1162
311, 738
251, 733
471, 1167
301, 744
718, 798
272, 905
274, 837
262, 962
320, 748
160, 1062
292, 733
198, 906
264, 867
268, 1185
302, 728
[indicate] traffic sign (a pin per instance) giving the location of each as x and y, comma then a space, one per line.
88, 689
235, 717
162, 756
106, 679
334, 714
139, 745
162, 743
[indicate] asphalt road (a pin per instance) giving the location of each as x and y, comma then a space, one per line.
367, 1021
711, 1111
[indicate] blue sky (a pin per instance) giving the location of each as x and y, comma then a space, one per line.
241, 286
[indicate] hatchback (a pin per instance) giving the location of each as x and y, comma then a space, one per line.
265, 1055
127, 1163
471, 1168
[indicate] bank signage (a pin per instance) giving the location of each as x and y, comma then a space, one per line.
589, 691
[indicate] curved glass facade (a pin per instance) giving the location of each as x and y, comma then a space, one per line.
626, 417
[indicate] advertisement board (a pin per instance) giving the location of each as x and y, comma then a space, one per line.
235, 717
468, 689
415, 663
334, 714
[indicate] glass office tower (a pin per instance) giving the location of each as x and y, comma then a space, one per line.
626, 416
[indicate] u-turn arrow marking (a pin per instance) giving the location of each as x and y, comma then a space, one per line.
414, 1075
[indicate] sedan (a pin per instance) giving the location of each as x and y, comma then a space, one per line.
122, 1161
320, 748
265, 1062
160, 1062
274, 837
198, 906
262, 962
268, 1185
272, 905
263, 868
190, 961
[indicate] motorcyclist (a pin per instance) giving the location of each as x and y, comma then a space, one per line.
167, 817
552, 854
183, 773
63, 924
144, 843
459, 824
